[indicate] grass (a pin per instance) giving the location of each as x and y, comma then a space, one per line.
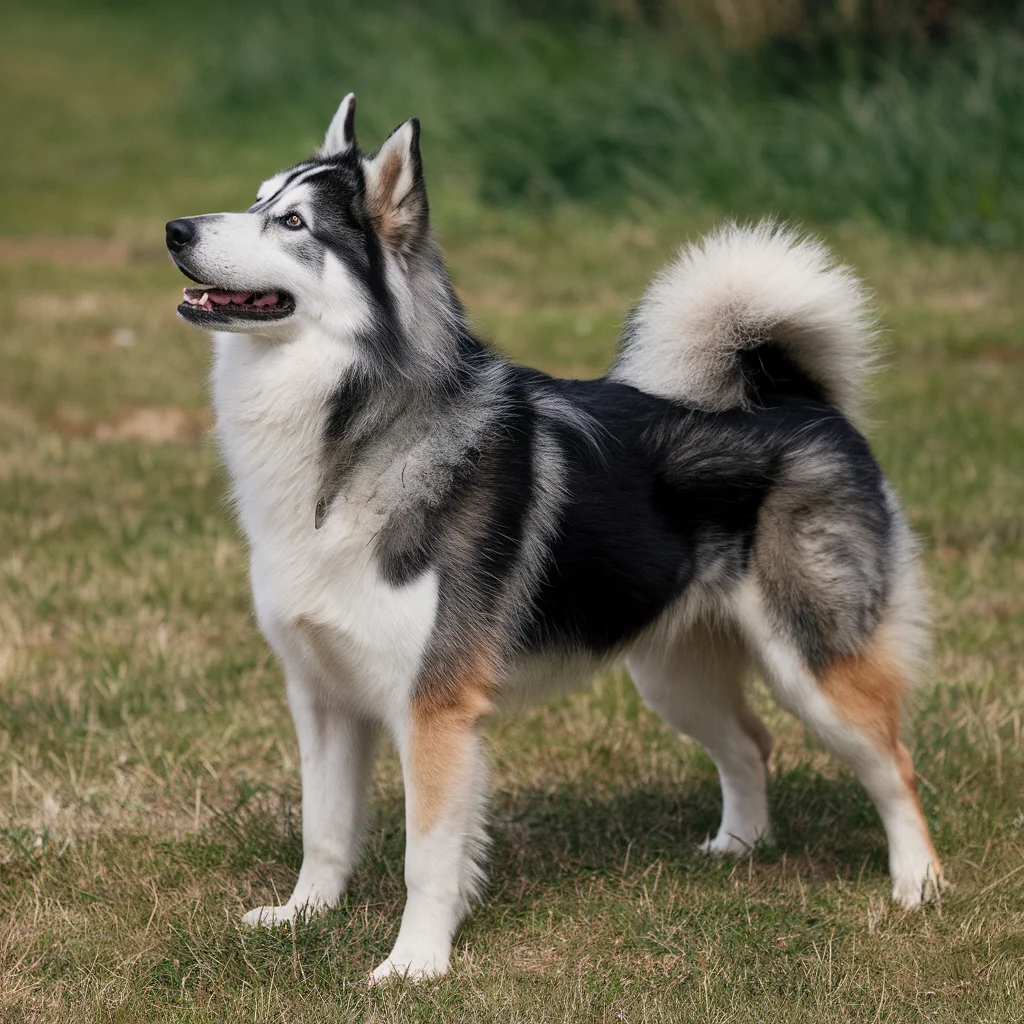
148, 778
929, 146
565, 103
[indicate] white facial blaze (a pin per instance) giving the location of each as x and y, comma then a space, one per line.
272, 185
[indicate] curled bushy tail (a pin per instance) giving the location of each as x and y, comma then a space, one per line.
747, 309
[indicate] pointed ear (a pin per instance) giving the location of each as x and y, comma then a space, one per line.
341, 135
395, 195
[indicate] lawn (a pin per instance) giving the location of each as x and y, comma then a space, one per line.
148, 776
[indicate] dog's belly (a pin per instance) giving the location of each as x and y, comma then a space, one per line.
541, 676
331, 618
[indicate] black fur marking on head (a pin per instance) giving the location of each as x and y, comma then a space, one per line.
342, 227
312, 168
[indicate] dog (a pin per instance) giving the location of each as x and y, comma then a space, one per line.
436, 532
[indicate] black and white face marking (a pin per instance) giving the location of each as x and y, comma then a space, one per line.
315, 246
297, 249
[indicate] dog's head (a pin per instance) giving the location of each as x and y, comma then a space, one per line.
324, 243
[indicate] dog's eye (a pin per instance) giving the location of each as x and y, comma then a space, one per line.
293, 221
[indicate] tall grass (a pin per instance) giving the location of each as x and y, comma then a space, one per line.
818, 110
573, 104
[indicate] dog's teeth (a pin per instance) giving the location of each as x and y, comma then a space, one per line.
202, 301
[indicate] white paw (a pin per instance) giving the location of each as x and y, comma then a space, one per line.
726, 844
414, 968
912, 888
268, 917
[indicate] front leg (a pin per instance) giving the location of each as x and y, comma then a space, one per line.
445, 772
336, 751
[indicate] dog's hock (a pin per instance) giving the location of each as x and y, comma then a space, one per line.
341, 134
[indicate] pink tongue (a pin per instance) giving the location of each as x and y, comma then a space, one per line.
270, 299
223, 298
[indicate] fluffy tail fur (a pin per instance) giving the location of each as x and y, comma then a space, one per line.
748, 310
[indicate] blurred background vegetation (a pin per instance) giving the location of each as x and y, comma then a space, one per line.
901, 113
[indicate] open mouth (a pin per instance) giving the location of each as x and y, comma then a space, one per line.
205, 305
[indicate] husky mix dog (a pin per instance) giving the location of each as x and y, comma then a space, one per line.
437, 532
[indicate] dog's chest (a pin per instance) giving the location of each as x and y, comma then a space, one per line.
317, 590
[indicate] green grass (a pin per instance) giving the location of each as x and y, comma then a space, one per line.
148, 777
930, 145
566, 104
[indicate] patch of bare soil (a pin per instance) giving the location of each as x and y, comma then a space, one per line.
1002, 354
145, 424
64, 252
964, 301
156, 424
56, 308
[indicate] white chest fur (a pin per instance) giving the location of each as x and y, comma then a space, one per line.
319, 597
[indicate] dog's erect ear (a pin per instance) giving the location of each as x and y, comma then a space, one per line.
395, 195
341, 135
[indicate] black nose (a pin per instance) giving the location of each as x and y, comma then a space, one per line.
179, 234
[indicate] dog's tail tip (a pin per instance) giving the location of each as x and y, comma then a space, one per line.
750, 309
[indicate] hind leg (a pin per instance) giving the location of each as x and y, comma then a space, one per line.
853, 707
696, 685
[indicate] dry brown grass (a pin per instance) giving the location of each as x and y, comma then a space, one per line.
149, 769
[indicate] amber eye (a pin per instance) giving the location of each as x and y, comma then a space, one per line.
293, 221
